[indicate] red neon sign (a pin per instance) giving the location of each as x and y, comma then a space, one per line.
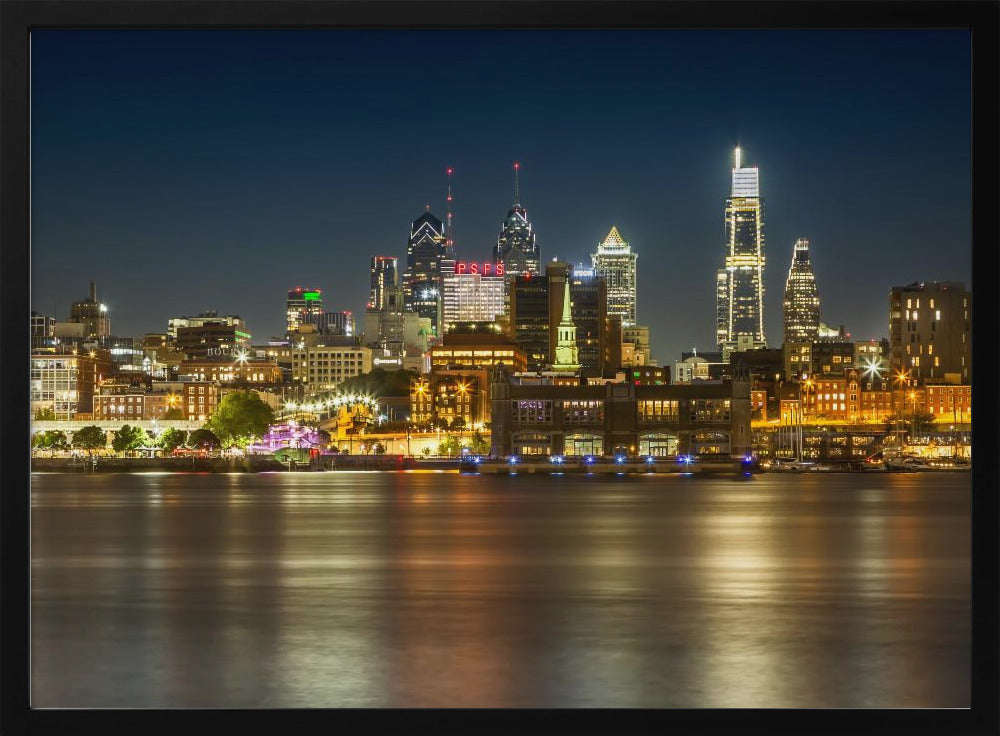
483, 269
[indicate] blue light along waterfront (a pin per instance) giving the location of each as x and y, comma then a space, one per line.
445, 590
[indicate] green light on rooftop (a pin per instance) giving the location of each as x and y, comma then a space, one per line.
311, 296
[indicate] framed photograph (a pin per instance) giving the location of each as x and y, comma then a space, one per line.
491, 366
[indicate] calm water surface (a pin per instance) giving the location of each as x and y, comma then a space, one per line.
435, 589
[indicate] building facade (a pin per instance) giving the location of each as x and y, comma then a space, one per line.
929, 335
64, 381
471, 297
303, 306
384, 273
422, 280
615, 262
620, 419
452, 398
516, 246
801, 305
740, 283
323, 368
92, 315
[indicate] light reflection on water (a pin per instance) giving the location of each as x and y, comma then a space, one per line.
439, 590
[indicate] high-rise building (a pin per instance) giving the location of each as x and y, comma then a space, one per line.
92, 315
304, 306
801, 307
516, 247
422, 279
929, 334
740, 284
384, 274
615, 263
335, 323
470, 297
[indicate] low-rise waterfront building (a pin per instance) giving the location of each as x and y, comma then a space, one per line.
620, 419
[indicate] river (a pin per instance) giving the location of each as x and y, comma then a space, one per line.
433, 589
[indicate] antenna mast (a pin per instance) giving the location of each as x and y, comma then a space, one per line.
517, 189
449, 243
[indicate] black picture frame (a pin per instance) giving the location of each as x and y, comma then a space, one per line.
18, 17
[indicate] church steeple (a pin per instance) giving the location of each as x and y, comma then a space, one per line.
567, 355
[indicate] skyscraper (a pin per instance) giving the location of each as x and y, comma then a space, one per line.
470, 297
422, 279
740, 283
615, 263
384, 274
516, 247
801, 307
303, 306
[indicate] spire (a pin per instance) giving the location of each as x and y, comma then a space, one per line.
567, 356
737, 156
567, 315
517, 188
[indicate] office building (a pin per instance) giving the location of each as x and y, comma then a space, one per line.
303, 306
740, 283
212, 337
471, 297
476, 347
615, 263
325, 367
422, 280
456, 398
204, 318
516, 246
384, 273
64, 380
929, 332
801, 305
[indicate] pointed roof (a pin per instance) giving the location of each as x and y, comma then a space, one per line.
614, 237
567, 315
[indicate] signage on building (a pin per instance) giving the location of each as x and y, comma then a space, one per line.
483, 269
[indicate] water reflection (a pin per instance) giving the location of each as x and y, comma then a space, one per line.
431, 589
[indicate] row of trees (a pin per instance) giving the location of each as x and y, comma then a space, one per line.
125, 440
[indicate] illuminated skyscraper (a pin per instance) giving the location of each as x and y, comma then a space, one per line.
740, 284
615, 263
384, 273
516, 247
801, 308
303, 306
422, 280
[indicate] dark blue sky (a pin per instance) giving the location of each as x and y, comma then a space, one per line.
194, 170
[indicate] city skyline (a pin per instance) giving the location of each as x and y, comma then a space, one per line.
851, 196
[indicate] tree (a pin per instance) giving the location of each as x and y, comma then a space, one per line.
52, 439
171, 439
379, 448
90, 438
458, 423
173, 413
240, 416
920, 421
479, 445
128, 439
203, 439
45, 414
426, 451
450, 446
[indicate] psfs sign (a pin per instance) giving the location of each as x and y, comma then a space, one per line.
483, 269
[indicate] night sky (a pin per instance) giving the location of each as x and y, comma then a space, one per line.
194, 170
